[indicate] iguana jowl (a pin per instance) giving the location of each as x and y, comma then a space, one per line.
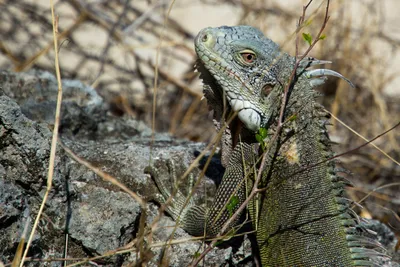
301, 216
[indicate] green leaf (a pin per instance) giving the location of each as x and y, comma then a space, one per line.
307, 22
259, 138
322, 37
263, 132
196, 255
293, 117
307, 37
232, 204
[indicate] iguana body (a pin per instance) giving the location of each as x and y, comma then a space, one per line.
301, 217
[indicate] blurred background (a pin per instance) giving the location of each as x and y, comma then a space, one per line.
128, 50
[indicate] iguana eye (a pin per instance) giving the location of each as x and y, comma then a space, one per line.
248, 56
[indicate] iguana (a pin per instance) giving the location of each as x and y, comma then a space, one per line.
300, 214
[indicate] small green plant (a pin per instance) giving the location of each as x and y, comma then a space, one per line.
307, 37
260, 136
293, 117
232, 204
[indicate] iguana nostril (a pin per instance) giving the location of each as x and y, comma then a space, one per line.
204, 38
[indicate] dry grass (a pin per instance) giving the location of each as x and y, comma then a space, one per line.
120, 65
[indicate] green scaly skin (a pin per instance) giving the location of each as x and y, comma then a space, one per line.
301, 216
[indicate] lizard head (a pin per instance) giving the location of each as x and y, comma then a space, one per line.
240, 63
245, 72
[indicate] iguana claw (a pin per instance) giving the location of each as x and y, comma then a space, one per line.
178, 204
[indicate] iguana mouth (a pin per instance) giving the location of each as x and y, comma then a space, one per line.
223, 112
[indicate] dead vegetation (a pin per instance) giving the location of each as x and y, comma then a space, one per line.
128, 50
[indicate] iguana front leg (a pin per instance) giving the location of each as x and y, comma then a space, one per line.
181, 208
199, 220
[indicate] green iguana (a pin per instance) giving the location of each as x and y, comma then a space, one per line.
300, 216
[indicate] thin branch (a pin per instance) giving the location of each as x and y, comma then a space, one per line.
293, 74
362, 137
156, 69
345, 153
55, 133
105, 176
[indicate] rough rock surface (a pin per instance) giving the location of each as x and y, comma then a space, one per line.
97, 215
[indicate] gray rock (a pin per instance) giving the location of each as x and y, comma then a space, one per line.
100, 212
97, 215
388, 240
